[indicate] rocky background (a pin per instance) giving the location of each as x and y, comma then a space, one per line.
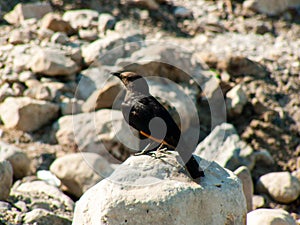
55, 59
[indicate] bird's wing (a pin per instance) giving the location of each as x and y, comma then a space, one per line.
142, 111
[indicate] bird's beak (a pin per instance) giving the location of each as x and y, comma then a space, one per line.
117, 74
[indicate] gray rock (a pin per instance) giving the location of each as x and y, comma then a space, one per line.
104, 51
53, 63
39, 92
103, 98
93, 79
270, 216
41, 193
245, 176
18, 159
45, 217
27, 114
224, 146
270, 7
80, 171
281, 186
70, 106
23, 12
236, 99
104, 132
106, 22
182, 12
6, 179
180, 102
154, 192
84, 18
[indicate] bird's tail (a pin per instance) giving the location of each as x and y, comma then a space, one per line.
191, 164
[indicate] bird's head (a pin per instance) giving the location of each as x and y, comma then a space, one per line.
133, 81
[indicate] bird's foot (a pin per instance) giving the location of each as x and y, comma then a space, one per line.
145, 151
160, 153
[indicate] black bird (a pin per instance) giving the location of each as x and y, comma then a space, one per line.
144, 113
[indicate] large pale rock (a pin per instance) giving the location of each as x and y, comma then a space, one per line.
104, 132
271, 7
53, 63
270, 217
45, 217
17, 158
6, 179
145, 190
84, 18
224, 146
80, 171
23, 12
27, 114
104, 51
281, 186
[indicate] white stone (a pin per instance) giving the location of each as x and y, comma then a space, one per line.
236, 99
17, 158
145, 190
80, 171
281, 186
53, 63
6, 179
270, 217
27, 114
83, 18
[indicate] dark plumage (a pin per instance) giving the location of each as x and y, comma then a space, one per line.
144, 113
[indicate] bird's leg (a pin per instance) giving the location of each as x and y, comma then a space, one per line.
146, 150
160, 152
